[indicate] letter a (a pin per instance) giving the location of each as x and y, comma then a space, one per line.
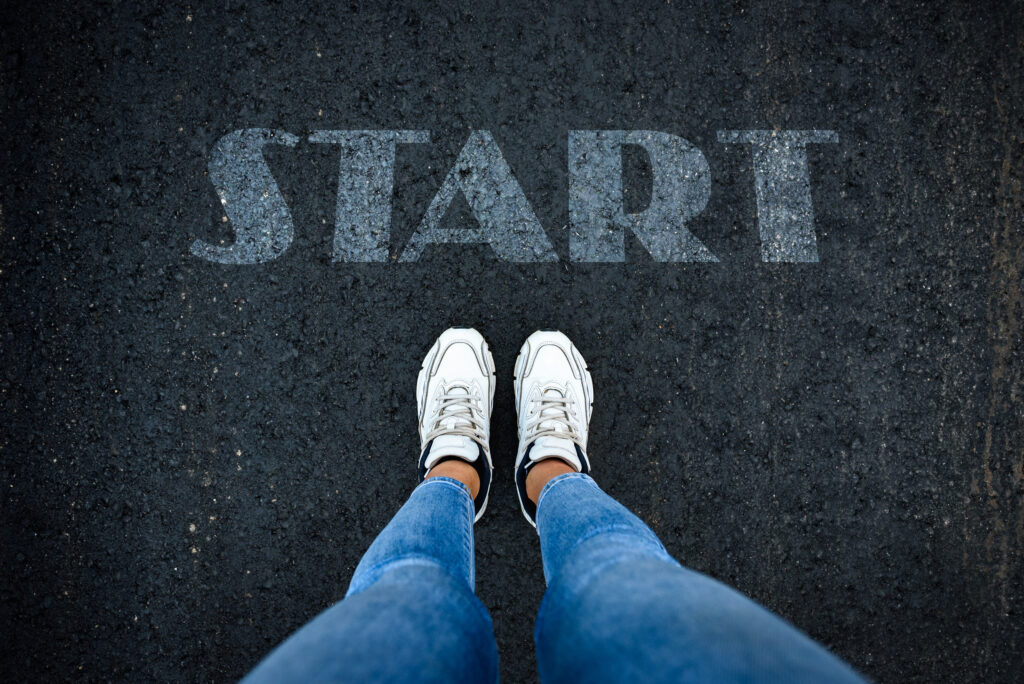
507, 222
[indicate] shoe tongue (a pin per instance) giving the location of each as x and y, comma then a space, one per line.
557, 416
454, 420
555, 447
459, 446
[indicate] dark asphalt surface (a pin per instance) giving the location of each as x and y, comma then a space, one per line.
194, 456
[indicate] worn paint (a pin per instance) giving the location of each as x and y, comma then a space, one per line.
366, 179
507, 221
252, 201
598, 220
782, 183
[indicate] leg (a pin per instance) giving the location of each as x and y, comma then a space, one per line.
409, 614
619, 609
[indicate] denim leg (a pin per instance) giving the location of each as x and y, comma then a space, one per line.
434, 527
410, 613
618, 608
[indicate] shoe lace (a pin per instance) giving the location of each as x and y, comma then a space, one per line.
554, 416
458, 413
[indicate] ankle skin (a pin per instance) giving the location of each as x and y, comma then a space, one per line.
460, 470
541, 473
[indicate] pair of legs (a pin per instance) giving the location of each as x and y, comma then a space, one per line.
618, 608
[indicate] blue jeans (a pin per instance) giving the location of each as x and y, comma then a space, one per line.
618, 608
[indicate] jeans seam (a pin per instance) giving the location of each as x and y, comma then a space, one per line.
467, 540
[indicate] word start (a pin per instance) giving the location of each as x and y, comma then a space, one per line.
598, 221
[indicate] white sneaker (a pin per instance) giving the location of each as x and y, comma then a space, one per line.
554, 400
455, 395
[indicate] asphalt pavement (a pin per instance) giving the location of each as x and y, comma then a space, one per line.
788, 237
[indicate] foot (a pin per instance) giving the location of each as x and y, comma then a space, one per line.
554, 400
455, 394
